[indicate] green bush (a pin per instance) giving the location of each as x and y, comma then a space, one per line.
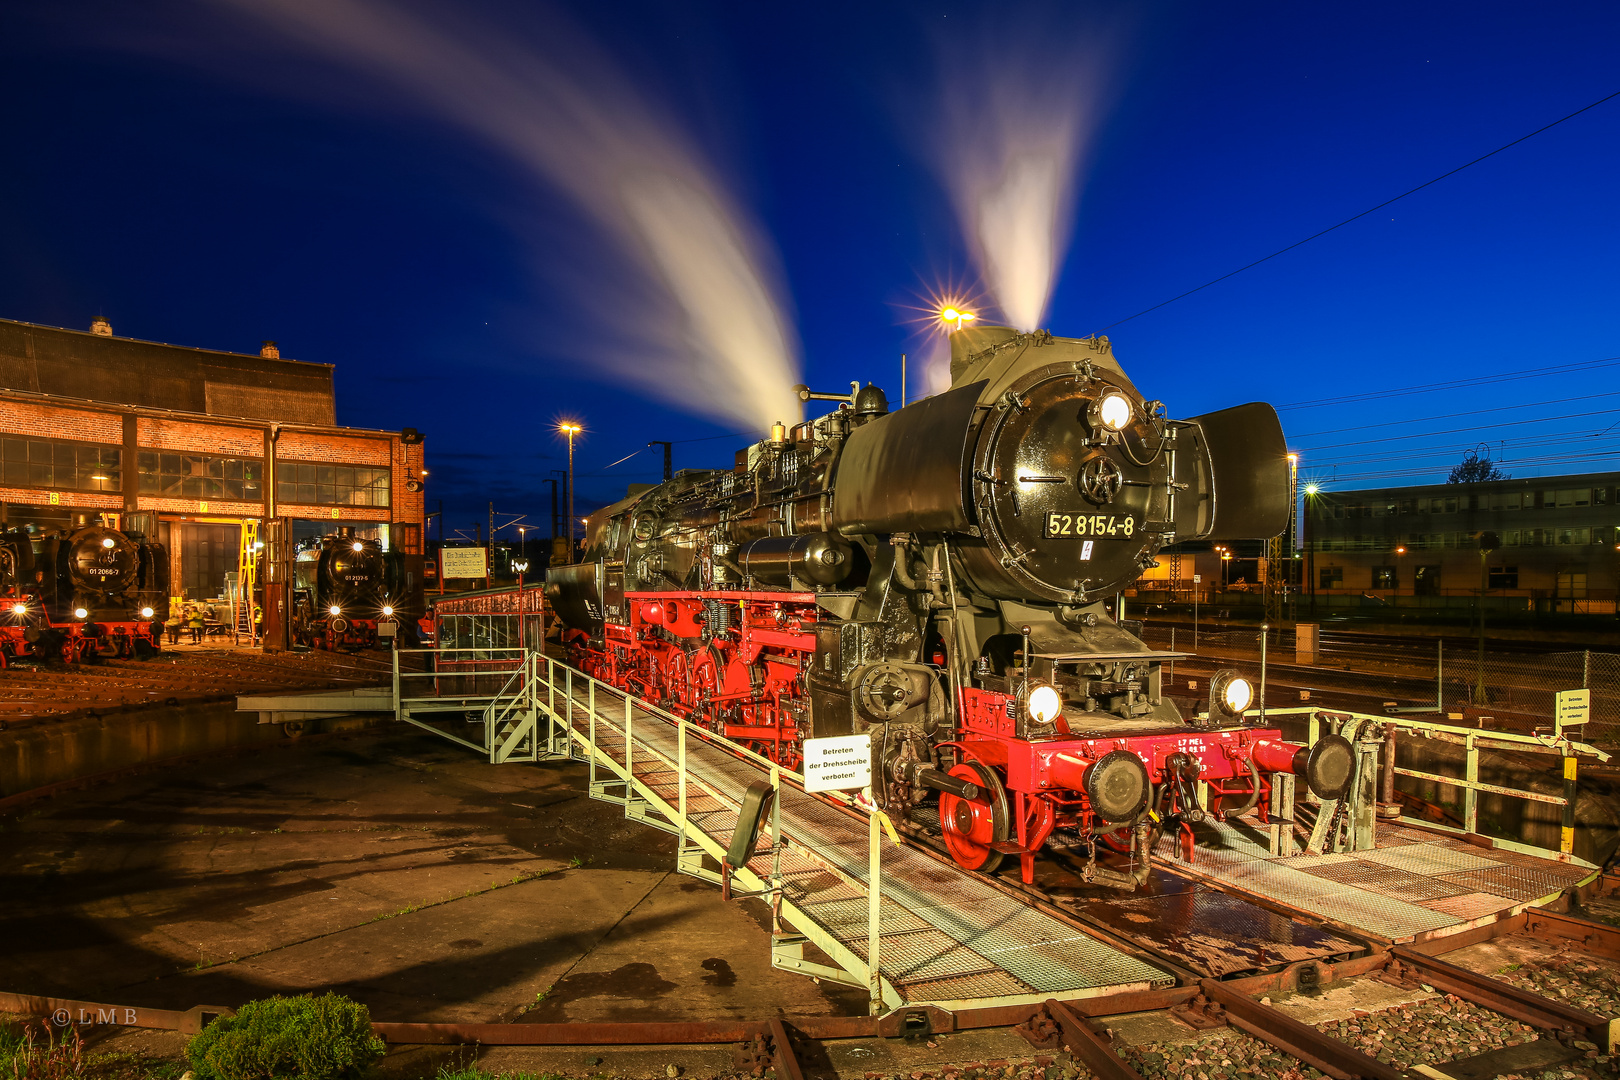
287, 1038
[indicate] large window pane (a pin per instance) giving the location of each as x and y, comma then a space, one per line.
331, 485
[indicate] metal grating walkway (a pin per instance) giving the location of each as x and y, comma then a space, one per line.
946, 938
1414, 882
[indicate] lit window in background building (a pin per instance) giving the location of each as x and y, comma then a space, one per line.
307, 483
199, 476
67, 466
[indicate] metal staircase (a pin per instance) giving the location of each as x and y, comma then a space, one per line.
243, 623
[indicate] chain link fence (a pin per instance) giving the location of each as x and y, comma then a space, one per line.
1506, 690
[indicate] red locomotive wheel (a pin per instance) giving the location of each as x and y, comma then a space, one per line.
971, 826
703, 684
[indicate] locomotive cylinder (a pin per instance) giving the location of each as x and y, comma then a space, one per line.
814, 558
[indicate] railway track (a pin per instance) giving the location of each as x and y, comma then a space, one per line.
1391, 1014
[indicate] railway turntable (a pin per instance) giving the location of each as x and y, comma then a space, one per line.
1247, 902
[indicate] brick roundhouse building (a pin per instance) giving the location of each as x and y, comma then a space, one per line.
93, 425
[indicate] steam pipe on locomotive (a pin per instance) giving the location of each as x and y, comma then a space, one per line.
935, 578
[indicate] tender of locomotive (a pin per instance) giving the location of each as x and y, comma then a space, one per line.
937, 578
345, 588
82, 593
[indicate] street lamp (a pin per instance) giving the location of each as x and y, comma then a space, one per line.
570, 429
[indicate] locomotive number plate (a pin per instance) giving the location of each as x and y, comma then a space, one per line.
1092, 525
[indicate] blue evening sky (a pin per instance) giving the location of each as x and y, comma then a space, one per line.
187, 172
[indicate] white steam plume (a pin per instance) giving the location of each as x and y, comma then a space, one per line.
710, 332
1019, 117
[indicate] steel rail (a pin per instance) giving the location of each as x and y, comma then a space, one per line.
1084, 1043
1293, 1037
1595, 937
1501, 997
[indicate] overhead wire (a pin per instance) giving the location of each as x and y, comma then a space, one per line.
1364, 213
1453, 416
1457, 431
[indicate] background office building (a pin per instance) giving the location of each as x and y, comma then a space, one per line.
1558, 543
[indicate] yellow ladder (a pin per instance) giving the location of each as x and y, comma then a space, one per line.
247, 573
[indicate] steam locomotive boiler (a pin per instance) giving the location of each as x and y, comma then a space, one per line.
82, 593
935, 578
344, 588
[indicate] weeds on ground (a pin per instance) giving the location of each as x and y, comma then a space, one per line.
473, 1072
36, 1052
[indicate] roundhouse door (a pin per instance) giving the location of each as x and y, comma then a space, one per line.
207, 554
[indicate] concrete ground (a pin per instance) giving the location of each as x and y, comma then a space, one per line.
394, 867
409, 874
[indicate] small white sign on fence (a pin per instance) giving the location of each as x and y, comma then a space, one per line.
1198, 579
1574, 707
840, 763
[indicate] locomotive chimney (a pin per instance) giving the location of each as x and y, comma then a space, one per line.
99, 325
269, 351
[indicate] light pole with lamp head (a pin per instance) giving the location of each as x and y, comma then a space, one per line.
570, 429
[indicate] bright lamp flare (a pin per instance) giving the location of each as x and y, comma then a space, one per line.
1311, 489
19, 609
1238, 695
109, 542
79, 613
388, 609
1044, 704
147, 613
1114, 411
334, 610
358, 546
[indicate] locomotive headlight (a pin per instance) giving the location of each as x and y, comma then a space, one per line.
1230, 694
108, 542
80, 613
1113, 411
19, 609
358, 546
388, 609
334, 610
1044, 704
147, 613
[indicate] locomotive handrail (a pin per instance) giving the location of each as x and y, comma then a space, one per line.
600, 705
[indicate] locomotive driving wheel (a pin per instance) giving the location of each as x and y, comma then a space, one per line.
972, 826
674, 676
703, 685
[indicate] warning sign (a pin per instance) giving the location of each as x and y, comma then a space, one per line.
841, 763
466, 562
1574, 707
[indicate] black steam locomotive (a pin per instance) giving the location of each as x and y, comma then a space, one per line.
82, 593
938, 579
344, 589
